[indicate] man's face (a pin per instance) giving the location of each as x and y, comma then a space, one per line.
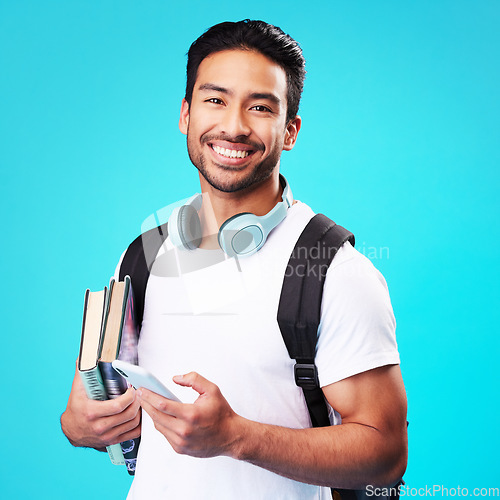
236, 124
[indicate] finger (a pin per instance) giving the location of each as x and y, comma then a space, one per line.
110, 407
131, 413
124, 432
194, 380
121, 434
127, 436
124, 401
166, 424
112, 429
149, 400
101, 408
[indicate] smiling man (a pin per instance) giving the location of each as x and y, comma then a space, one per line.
237, 128
243, 429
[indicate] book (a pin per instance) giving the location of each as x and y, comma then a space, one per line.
94, 314
119, 341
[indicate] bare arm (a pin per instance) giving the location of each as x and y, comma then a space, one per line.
97, 424
370, 446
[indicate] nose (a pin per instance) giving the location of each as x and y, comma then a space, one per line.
235, 122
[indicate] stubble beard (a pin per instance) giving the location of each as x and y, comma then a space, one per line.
226, 183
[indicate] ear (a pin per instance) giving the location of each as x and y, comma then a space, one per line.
291, 132
184, 118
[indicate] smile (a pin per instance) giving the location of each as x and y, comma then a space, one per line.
230, 153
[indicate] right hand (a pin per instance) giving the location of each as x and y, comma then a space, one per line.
97, 424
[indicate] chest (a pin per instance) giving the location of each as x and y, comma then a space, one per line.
220, 321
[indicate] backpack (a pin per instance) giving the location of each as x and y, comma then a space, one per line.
299, 306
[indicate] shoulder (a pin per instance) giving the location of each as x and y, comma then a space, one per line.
299, 214
356, 293
354, 272
357, 329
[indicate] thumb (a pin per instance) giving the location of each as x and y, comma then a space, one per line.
194, 380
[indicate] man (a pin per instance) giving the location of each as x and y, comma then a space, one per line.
243, 429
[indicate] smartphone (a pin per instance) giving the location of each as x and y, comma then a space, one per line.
139, 377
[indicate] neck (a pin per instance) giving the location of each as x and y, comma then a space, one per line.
219, 206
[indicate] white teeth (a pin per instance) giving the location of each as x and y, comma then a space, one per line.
230, 153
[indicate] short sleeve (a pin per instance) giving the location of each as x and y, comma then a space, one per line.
357, 328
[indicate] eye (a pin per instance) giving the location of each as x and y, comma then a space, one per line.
261, 108
215, 100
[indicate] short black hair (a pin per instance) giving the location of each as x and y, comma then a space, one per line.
265, 38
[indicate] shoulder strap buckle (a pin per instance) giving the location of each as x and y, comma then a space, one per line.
306, 375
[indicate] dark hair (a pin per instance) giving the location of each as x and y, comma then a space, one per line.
265, 38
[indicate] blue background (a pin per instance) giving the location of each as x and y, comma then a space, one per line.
399, 144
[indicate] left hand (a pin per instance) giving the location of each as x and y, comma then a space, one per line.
206, 428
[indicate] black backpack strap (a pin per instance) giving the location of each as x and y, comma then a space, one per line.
299, 312
300, 305
138, 261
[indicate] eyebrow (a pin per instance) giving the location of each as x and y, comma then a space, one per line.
213, 87
254, 95
267, 96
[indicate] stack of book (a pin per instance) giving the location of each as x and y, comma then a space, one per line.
109, 332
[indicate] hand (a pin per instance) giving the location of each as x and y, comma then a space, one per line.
206, 428
97, 424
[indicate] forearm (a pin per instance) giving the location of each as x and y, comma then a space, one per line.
351, 455
344, 456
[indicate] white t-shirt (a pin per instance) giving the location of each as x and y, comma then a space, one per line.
217, 316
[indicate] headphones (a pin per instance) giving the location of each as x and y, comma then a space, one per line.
240, 235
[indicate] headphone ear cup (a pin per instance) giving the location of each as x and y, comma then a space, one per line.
185, 228
241, 235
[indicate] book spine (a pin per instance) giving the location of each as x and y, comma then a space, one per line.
94, 387
116, 385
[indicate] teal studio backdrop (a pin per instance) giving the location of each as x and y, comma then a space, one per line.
399, 144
